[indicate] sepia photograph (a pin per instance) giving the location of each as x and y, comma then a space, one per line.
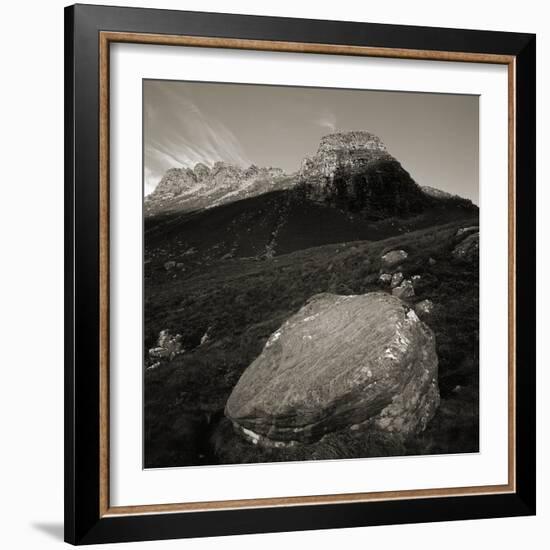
310, 273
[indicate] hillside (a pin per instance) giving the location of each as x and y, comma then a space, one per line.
233, 305
273, 224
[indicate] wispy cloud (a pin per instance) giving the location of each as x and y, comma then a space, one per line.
328, 121
178, 134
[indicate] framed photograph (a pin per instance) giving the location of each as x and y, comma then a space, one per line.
300, 274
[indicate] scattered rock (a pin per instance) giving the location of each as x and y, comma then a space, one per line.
424, 308
180, 266
468, 249
385, 278
205, 337
396, 279
432, 261
169, 265
405, 290
307, 383
168, 346
394, 258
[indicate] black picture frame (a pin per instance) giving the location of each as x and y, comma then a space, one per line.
84, 523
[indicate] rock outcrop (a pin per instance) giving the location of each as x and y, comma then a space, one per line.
468, 249
168, 346
343, 151
355, 170
362, 362
463, 231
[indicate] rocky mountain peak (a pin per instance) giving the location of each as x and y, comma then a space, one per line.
204, 187
346, 151
351, 141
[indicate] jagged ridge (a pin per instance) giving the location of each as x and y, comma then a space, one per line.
203, 187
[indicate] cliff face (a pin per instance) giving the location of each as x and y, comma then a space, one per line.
342, 152
354, 171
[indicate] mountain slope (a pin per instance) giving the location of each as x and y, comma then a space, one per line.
273, 224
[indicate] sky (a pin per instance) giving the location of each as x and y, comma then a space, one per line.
435, 137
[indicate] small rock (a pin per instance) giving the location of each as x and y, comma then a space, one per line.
396, 279
159, 353
169, 265
423, 308
394, 258
467, 230
205, 337
404, 291
385, 278
169, 346
180, 266
432, 261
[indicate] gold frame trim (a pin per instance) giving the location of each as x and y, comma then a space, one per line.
105, 39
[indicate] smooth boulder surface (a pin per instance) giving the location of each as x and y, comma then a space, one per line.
359, 362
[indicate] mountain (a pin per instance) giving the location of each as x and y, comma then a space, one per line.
353, 171
186, 189
351, 189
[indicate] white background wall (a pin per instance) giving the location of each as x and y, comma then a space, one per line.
31, 272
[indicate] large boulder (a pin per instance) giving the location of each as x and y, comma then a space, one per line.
358, 362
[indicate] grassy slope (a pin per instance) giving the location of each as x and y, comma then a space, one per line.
244, 228
241, 301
